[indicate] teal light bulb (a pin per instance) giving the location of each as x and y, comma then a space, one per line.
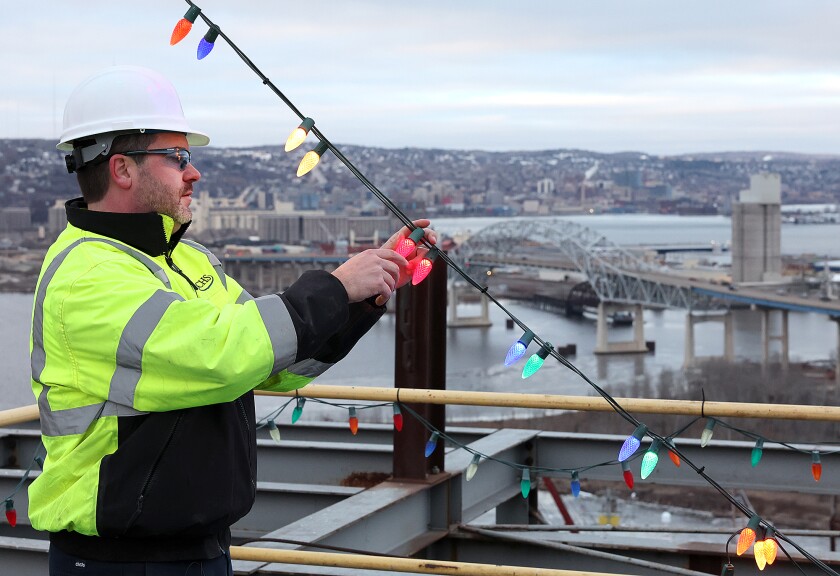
525, 483
757, 450
651, 459
296, 413
536, 361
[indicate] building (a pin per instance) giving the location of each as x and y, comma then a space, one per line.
757, 231
15, 219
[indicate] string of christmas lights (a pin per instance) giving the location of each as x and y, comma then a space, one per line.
9, 501
311, 159
758, 533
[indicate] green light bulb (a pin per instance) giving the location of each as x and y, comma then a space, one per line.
535, 362
756, 451
296, 413
525, 483
651, 459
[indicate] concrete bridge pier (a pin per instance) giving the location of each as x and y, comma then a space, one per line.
602, 342
767, 337
482, 320
728, 342
836, 320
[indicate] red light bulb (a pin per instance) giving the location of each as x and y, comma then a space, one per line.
424, 267
628, 474
407, 244
816, 465
675, 458
354, 421
398, 418
11, 513
184, 25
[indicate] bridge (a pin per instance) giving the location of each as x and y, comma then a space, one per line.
623, 281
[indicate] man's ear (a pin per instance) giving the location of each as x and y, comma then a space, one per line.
121, 171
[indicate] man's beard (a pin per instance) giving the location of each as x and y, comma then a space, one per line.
155, 196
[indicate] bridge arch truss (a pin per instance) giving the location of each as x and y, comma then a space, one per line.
615, 274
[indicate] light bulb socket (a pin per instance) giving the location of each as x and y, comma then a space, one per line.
192, 14
759, 444
575, 476
545, 350
321, 148
352, 412
754, 523
432, 254
307, 124
655, 446
625, 466
639, 432
211, 35
527, 337
10, 504
416, 234
710, 424
815, 456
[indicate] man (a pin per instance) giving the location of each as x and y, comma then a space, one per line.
145, 354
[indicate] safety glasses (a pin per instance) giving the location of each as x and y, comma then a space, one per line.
179, 155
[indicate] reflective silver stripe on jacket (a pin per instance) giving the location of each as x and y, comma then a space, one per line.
133, 340
77, 420
220, 272
244, 296
38, 357
281, 330
308, 368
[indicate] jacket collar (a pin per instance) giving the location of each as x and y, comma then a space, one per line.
149, 232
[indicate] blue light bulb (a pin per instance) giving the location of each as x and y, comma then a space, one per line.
431, 444
204, 48
207, 43
632, 443
575, 484
517, 351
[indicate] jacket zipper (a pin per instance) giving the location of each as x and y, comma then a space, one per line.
151, 475
175, 267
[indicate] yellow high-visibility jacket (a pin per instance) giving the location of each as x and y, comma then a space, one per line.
144, 356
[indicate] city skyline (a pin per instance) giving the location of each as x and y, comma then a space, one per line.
605, 76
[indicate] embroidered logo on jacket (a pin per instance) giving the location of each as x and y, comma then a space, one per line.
204, 282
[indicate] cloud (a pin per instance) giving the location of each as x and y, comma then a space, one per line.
657, 76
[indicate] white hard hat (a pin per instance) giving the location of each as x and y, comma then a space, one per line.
122, 100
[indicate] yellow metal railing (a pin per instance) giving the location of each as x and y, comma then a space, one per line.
418, 566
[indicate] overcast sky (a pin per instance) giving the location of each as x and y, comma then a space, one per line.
658, 76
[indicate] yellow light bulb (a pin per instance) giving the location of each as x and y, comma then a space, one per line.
308, 163
295, 139
299, 134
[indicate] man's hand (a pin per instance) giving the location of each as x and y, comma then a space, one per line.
371, 273
380, 271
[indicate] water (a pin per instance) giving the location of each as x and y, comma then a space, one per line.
634, 229
475, 356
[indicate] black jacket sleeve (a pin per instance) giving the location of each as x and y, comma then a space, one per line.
327, 325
